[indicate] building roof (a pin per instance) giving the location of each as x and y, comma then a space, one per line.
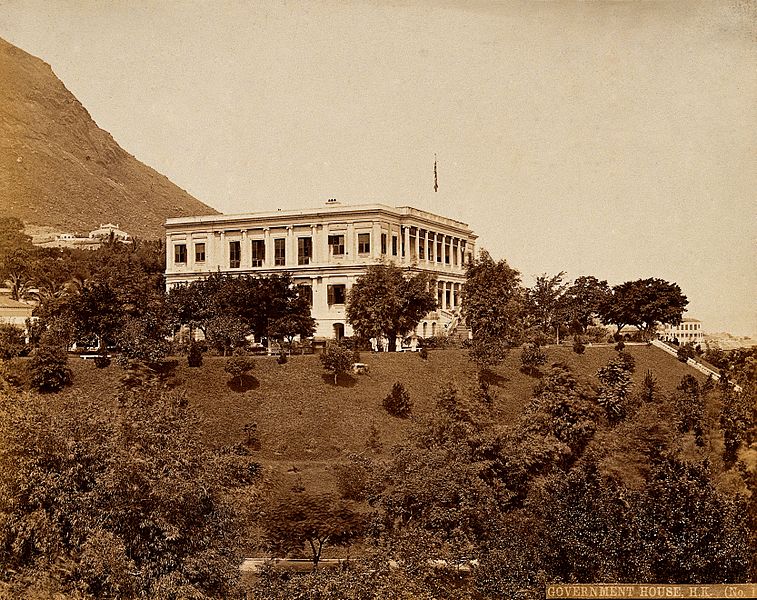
326, 211
7, 302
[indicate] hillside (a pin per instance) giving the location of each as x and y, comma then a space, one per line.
307, 424
59, 170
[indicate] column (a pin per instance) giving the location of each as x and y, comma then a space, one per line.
291, 247
350, 246
407, 245
426, 246
432, 241
223, 257
375, 240
246, 251
268, 262
190, 252
314, 245
417, 243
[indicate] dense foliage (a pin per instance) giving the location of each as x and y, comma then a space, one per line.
385, 302
117, 501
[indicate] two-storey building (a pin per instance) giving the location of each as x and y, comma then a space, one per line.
325, 250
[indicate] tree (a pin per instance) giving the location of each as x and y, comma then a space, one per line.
226, 332
115, 501
615, 389
492, 305
384, 302
583, 300
532, 357
238, 365
297, 519
689, 403
397, 403
545, 302
11, 341
336, 359
644, 303
49, 369
292, 325
96, 312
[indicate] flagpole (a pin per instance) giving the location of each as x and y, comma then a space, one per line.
436, 180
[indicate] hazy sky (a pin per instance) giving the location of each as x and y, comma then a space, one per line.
613, 139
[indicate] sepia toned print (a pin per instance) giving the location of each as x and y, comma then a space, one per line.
378, 299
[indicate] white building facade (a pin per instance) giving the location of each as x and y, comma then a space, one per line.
326, 249
687, 331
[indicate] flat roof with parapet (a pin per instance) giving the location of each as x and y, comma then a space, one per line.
319, 212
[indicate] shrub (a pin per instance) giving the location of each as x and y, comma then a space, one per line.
620, 346
531, 358
102, 361
282, 358
194, 355
423, 353
337, 359
398, 403
238, 365
48, 369
11, 341
578, 346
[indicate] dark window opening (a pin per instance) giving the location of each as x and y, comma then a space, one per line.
337, 294
394, 245
336, 244
258, 253
180, 253
304, 250
200, 252
279, 252
383, 243
235, 255
363, 243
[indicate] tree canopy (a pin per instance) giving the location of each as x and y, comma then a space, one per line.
492, 305
644, 303
386, 302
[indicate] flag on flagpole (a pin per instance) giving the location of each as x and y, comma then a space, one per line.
436, 180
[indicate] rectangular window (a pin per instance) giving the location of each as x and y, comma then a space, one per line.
446, 253
383, 243
336, 245
180, 253
394, 245
304, 250
279, 252
258, 253
430, 247
421, 249
306, 291
337, 294
439, 251
235, 255
364, 243
200, 252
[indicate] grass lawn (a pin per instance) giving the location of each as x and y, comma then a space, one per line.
307, 424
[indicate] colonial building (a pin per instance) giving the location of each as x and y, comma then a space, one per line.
688, 330
325, 250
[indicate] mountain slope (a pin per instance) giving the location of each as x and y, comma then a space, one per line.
59, 169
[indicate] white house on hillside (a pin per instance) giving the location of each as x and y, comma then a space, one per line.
326, 249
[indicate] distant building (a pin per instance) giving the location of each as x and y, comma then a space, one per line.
687, 331
104, 233
13, 312
325, 250
92, 241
